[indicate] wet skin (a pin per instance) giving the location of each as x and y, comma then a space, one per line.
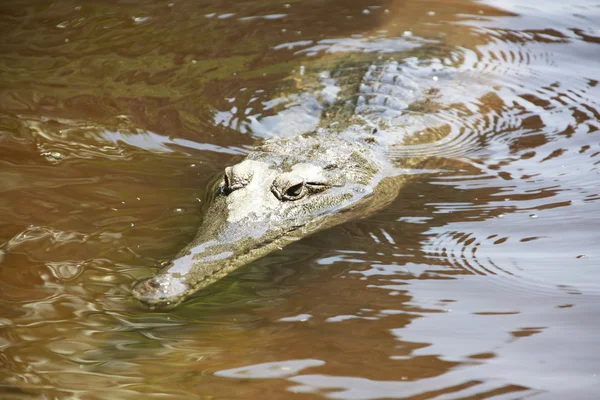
288, 188
282, 191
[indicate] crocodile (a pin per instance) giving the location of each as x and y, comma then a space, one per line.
289, 187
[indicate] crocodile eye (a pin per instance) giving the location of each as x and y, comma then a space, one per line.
289, 186
295, 192
234, 180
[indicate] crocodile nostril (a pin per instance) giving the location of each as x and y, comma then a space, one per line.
153, 284
164, 291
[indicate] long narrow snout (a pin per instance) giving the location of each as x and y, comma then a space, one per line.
208, 259
221, 246
240, 225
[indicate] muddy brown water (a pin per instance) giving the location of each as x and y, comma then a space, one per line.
478, 282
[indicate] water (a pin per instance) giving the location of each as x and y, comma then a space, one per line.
479, 281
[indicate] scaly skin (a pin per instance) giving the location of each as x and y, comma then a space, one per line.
281, 192
288, 188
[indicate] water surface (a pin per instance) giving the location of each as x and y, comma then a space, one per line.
481, 280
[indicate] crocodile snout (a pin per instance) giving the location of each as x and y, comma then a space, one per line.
163, 290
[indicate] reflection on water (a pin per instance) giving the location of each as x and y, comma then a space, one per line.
480, 281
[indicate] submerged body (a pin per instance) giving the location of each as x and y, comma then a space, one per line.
288, 188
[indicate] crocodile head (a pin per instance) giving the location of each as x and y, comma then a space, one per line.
281, 192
